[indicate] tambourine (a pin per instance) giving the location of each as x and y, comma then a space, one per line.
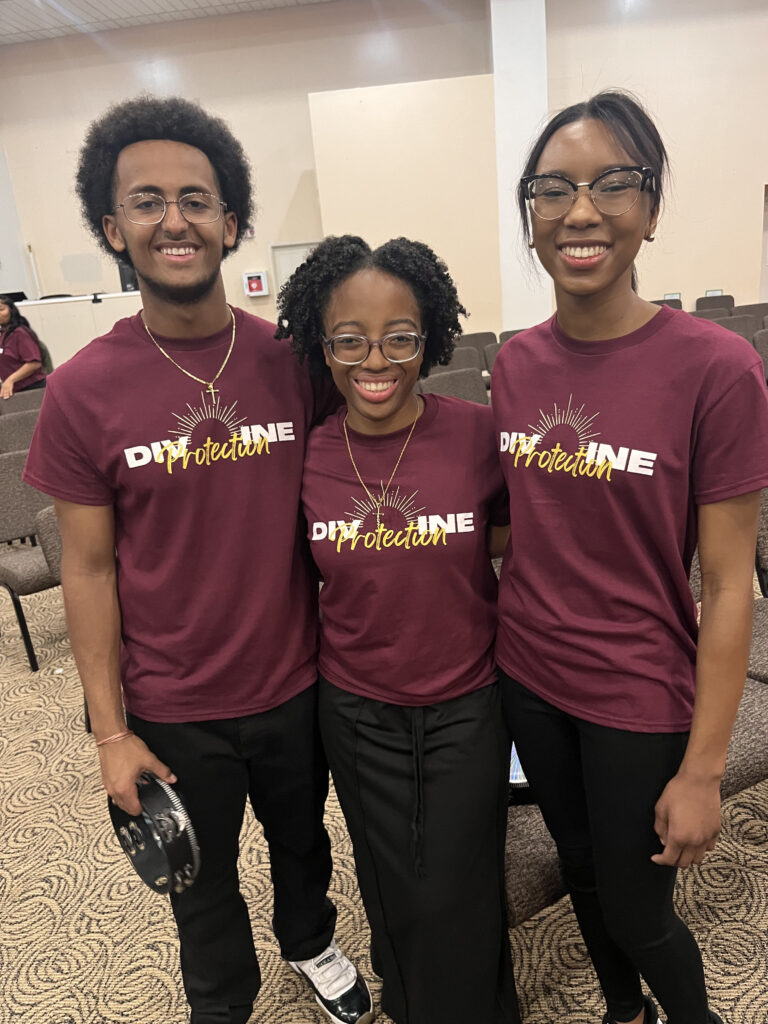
160, 842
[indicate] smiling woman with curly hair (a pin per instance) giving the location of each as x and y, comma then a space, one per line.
403, 499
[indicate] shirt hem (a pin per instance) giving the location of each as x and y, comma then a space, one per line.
401, 698
579, 712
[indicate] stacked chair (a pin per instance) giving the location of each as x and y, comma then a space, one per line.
23, 566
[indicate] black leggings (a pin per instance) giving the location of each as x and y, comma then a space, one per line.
597, 788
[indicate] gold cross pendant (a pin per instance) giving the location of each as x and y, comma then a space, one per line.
212, 390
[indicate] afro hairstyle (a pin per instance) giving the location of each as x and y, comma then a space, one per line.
148, 118
304, 298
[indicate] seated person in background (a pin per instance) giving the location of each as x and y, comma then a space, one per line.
404, 496
21, 358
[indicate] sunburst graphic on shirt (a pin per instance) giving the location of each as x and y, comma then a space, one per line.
395, 511
209, 409
562, 424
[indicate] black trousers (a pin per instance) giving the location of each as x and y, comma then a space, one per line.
423, 791
597, 789
274, 759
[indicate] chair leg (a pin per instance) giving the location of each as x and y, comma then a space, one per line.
23, 627
87, 716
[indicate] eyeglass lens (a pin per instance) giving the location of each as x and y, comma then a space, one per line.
613, 194
396, 348
146, 208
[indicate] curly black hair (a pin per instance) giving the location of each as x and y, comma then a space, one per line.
151, 117
304, 298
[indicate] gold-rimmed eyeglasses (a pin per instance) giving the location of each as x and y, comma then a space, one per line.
194, 207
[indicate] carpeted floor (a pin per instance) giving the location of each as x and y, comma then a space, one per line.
82, 941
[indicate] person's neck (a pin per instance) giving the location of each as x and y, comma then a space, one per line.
405, 418
602, 316
186, 320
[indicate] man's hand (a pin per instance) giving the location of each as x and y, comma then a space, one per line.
121, 765
687, 820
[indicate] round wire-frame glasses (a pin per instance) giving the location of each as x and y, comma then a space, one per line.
353, 349
613, 192
149, 208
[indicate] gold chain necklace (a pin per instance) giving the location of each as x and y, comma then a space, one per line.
208, 383
378, 502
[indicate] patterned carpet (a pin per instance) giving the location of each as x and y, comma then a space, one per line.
82, 941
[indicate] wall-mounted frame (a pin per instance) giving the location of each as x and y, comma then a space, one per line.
285, 257
255, 284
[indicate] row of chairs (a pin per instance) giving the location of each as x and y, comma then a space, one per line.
16, 430
22, 400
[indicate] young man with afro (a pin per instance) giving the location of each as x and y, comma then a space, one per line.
173, 449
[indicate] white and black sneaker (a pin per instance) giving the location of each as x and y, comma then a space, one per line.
650, 1016
339, 988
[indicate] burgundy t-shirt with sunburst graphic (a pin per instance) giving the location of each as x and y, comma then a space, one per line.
608, 448
217, 593
409, 597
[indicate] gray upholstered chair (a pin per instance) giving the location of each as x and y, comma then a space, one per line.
468, 384
674, 303
49, 538
491, 351
21, 401
506, 335
744, 325
477, 341
758, 655
16, 430
758, 309
715, 313
715, 302
23, 567
462, 359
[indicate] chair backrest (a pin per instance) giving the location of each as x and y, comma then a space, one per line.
491, 351
505, 335
47, 530
746, 326
16, 430
758, 309
20, 503
761, 562
461, 359
674, 303
21, 401
760, 341
712, 313
467, 384
715, 302
477, 341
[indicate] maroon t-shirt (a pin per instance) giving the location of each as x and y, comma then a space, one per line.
408, 606
16, 348
608, 448
216, 589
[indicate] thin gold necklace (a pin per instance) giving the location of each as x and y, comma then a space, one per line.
378, 502
208, 383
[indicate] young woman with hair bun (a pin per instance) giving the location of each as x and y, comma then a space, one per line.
629, 434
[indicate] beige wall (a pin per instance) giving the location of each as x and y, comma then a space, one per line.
700, 66
425, 153
702, 70
255, 70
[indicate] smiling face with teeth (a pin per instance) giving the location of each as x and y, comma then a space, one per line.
588, 254
175, 261
379, 394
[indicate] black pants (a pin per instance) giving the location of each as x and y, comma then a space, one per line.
597, 789
274, 759
423, 792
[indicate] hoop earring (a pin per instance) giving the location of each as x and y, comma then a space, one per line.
650, 238
531, 245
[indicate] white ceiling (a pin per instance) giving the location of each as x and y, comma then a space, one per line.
22, 21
